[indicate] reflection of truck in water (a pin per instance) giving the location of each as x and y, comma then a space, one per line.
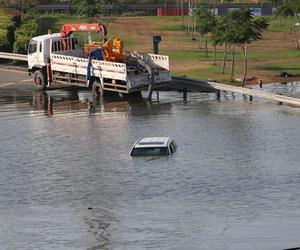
53, 103
102, 65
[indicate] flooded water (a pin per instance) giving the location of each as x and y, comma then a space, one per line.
67, 181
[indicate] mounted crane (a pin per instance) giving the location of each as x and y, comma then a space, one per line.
68, 29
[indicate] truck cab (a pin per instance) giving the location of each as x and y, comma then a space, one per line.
39, 51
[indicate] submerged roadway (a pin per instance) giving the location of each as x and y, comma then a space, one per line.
15, 78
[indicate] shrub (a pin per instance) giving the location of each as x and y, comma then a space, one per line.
4, 46
9, 21
27, 30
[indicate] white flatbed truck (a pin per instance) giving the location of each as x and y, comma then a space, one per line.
53, 59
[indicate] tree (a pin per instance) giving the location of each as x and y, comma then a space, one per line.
206, 22
226, 33
238, 28
285, 12
252, 32
219, 38
91, 8
290, 11
27, 30
295, 6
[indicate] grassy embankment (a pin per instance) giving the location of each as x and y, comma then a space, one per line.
274, 54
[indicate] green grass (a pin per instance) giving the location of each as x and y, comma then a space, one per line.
269, 55
213, 72
290, 67
198, 54
178, 27
276, 24
163, 18
183, 55
191, 55
184, 40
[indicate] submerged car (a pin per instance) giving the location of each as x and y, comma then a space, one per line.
153, 146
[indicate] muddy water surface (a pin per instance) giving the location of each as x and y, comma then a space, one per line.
67, 181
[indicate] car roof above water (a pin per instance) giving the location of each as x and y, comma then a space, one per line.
152, 142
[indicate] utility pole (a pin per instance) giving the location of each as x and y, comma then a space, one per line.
182, 19
194, 21
188, 17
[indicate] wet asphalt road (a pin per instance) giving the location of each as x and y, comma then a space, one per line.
14, 79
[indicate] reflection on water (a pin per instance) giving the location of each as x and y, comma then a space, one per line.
67, 181
56, 103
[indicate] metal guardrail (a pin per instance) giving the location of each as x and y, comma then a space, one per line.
257, 93
13, 56
229, 88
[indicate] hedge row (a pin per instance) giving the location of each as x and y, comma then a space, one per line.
8, 25
27, 30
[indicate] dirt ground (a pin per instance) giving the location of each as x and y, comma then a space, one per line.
140, 30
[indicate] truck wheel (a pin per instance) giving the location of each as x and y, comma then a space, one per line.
97, 89
39, 80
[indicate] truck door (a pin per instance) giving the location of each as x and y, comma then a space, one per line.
40, 53
33, 54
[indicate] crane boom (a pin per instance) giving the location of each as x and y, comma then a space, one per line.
67, 29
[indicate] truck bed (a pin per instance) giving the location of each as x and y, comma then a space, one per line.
113, 73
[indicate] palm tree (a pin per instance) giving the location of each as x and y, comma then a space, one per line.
219, 38
238, 28
252, 33
295, 6
227, 33
289, 11
206, 22
285, 12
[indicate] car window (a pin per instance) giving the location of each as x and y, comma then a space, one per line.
150, 151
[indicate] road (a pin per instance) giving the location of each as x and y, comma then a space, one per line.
13, 79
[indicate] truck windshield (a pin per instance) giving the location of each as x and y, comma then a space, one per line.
32, 47
151, 151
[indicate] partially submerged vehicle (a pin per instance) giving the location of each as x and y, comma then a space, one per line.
102, 65
153, 146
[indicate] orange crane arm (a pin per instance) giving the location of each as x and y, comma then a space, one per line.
67, 29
